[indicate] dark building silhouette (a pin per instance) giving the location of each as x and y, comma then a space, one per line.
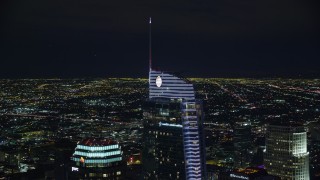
243, 150
314, 148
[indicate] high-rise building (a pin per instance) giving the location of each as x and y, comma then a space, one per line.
243, 150
314, 148
173, 133
96, 159
286, 152
174, 145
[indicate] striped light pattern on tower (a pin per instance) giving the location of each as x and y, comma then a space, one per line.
94, 153
168, 86
191, 141
164, 85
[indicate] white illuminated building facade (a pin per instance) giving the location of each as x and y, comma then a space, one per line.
96, 158
192, 139
173, 111
286, 152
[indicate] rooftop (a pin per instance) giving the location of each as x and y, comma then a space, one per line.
97, 142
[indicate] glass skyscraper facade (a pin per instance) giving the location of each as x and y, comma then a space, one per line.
286, 152
173, 136
95, 158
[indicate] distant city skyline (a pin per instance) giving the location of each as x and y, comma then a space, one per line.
41, 39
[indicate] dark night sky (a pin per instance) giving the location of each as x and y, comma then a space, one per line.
200, 38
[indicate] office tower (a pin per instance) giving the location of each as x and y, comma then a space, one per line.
173, 137
97, 158
243, 150
314, 149
173, 133
286, 152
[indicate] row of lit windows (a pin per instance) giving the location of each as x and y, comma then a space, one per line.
97, 148
99, 160
97, 164
105, 175
97, 154
160, 133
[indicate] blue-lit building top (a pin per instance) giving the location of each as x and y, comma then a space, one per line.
188, 121
166, 85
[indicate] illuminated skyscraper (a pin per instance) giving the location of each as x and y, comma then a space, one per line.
96, 159
173, 133
286, 152
174, 145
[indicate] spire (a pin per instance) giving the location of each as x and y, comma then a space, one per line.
150, 59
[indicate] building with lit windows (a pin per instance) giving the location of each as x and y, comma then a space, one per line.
96, 159
173, 133
286, 152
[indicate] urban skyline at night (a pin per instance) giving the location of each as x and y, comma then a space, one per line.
205, 90
42, 121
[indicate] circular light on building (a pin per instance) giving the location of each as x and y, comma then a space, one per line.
158, 81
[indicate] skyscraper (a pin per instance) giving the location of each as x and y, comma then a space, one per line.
286, 152
96, 159
173, 136
242, 144
173, 133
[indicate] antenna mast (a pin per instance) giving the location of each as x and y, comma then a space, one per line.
150, 59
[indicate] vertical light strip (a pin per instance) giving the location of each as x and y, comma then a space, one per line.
191, 141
